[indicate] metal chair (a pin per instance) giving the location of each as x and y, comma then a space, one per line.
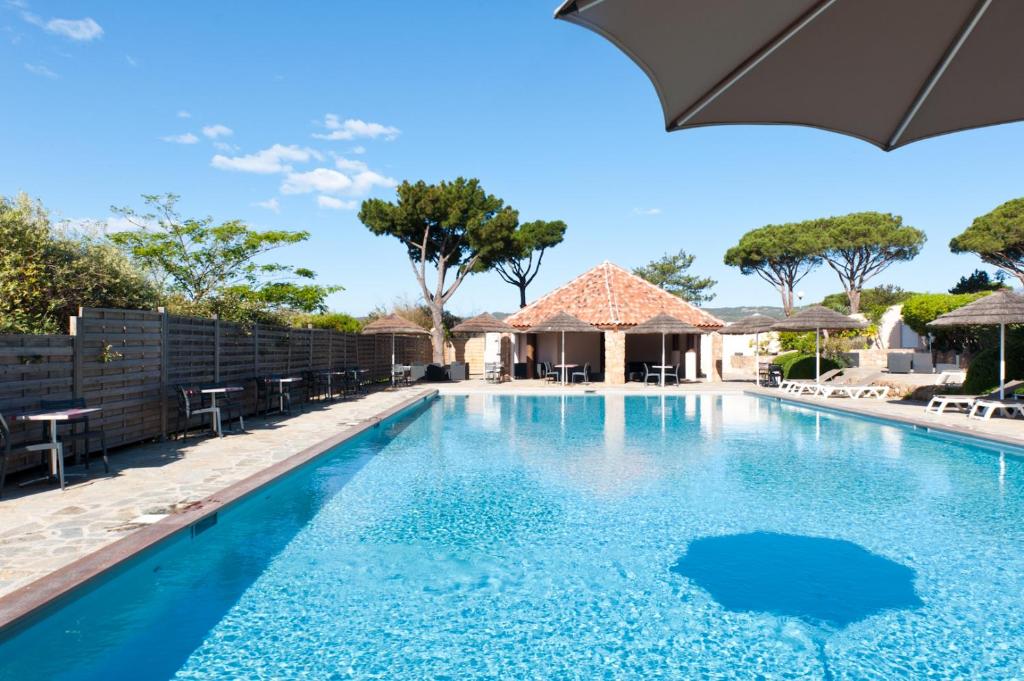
399, 376
584, 375
492, 372
6, 449
74, 434
649, 376
672, 373
232, 406
190, 405
552, 372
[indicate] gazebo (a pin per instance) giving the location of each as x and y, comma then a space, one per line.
471, 344
396, 326
614, 300
663, 325
563, 323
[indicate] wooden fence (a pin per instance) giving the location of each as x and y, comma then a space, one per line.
129, 363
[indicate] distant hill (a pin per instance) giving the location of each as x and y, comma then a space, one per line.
731, 314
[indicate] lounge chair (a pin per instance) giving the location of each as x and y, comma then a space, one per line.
964, 404
798, 386
855, 385
983, 409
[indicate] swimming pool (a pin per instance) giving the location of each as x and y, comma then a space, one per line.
581, 537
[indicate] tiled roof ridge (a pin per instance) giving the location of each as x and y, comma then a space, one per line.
613, 308
549, 294
710, 317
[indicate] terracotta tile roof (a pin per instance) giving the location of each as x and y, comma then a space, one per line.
610, 297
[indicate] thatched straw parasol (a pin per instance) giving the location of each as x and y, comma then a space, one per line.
483, 323
1002, 308
563, 323
815, 318
396, 326
664, 324
754, 324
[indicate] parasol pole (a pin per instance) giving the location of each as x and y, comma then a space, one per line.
757, 359
392, 360
564, 368
662, 360
817, 357
1002, 360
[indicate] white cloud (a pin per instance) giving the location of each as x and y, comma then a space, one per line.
82, 30
270, 204
218, 130
329, 181
40, 70
647, 211
267, 161
184, 114
353, 128
359, 150
224, 146
102, 225
335, 204
346, 164
187, 138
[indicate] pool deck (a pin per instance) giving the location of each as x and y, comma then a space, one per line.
50, 541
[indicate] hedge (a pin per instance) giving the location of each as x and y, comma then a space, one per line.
801, 365
983, 373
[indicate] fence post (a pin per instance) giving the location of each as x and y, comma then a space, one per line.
76, 356
216, 348
330, 349
164, 361
256, 350
311, 336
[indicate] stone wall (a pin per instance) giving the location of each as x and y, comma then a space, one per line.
614, 357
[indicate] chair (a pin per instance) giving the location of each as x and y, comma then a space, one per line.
74, 434
584, 375
648, 375
552, 372
269, 391
232, 407
190, 405
983, 409
672, 373
5, 451
399, 375
492, 372
774, 375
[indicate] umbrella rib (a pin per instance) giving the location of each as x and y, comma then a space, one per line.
752, 62
938, 72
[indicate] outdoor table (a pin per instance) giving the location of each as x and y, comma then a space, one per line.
565, 370
329, 374
213, 392
280, 385
357, 378
662, 368
56, 450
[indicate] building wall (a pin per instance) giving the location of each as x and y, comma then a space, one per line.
615, 357
579, 349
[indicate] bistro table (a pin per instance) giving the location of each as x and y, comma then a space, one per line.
56, 449
218, 426
357, 375
662, 368
280, 389
329, 375
565, 371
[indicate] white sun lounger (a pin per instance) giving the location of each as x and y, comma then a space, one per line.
983, 409
939, 403
799, 386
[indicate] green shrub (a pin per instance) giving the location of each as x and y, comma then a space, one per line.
983, 373
801, 365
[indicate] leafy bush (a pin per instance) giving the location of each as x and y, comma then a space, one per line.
335, 321
920, 310
801, 365
873, 301
983, 373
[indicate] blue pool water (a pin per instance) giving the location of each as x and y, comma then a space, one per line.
581, 538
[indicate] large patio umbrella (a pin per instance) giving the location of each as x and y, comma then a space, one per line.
754, 324
483, 323
886, 72
815, 318
563, 323
396, 326
664, 324
1002, 308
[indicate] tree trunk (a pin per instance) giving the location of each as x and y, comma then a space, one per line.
854, 297
522, 295
437, 333
787, 301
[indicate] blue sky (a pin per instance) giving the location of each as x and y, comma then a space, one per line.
99, 97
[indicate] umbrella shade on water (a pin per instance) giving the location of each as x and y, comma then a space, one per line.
563, 323
396, 326
889, 73
754, 324
815, 318
663, 324
483, 323
999, 308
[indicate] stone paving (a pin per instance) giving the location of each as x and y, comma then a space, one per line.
43, 529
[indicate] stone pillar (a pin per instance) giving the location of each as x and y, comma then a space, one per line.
716, 358
614, 357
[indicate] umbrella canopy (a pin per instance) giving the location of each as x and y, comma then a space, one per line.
395, 325
817, 317
665, 323
889, 73
1002, 307
755, 323
483, 323
999, 308
563, 322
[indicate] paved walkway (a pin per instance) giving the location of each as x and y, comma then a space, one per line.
43, 529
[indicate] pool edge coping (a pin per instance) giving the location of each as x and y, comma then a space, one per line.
22, 603
916, 423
